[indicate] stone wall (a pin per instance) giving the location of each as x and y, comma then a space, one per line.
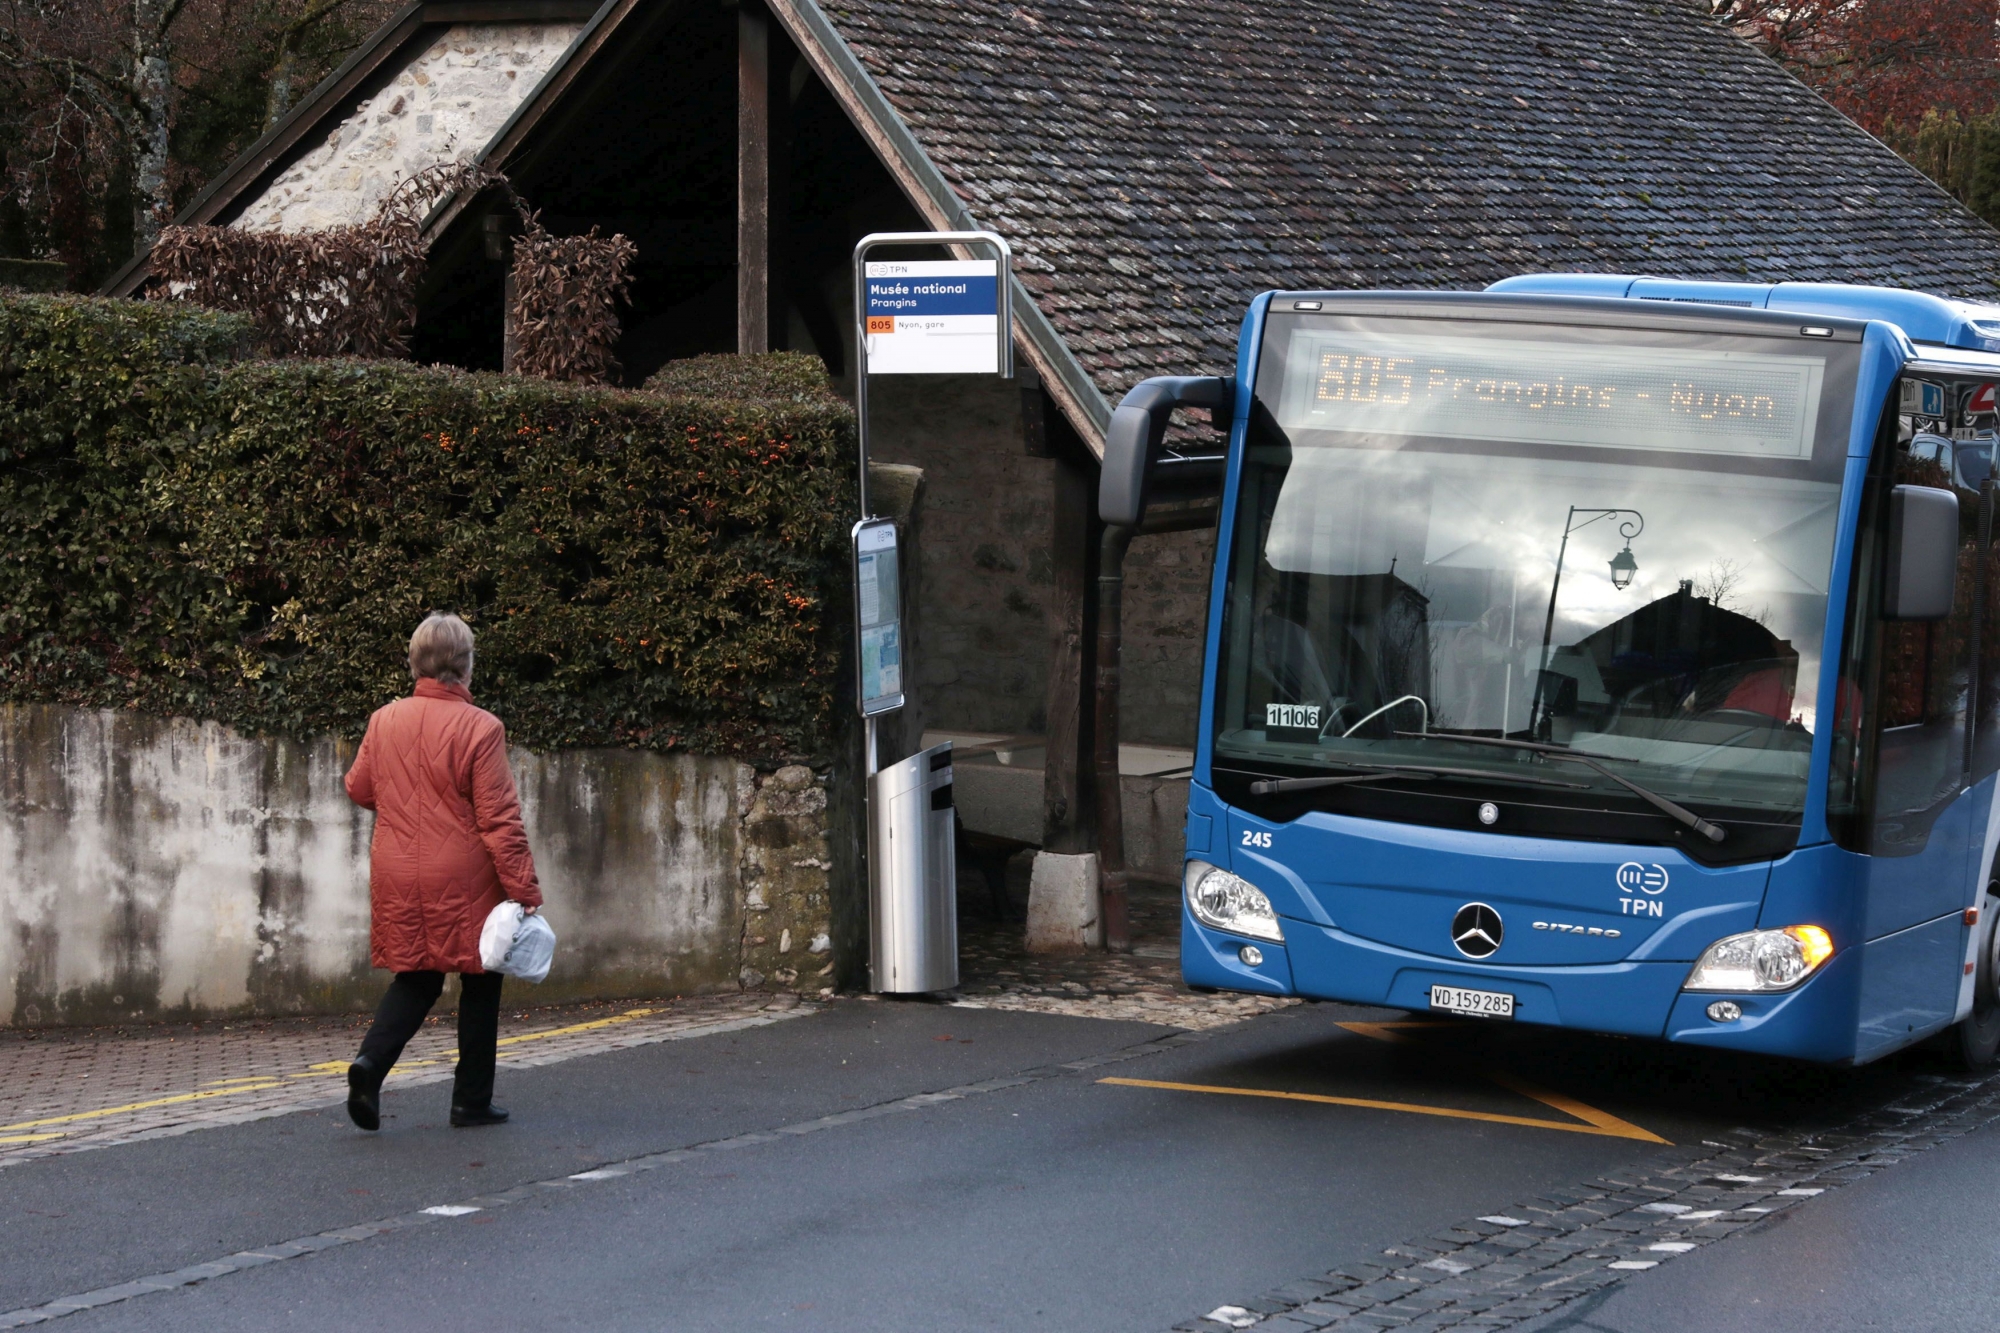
444, 106
986, 578
156, 868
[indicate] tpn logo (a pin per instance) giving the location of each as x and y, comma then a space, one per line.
1650, 880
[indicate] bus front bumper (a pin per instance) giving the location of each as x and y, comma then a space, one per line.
1639, 999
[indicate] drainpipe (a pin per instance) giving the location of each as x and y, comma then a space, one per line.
1110, 806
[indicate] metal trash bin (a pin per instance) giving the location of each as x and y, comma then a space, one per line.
913, 876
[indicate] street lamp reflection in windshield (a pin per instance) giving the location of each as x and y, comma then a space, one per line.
1623, 566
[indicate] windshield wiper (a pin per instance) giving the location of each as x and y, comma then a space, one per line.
1680, 812
1267, 785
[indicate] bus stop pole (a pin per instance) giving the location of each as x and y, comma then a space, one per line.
868, 759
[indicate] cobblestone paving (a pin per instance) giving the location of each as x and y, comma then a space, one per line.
997, 972
69, 1089
1510, 1266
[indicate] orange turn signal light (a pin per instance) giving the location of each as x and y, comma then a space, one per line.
1972, 916
1815, 942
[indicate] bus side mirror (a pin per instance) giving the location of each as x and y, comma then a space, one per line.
1132, 441
1923, 554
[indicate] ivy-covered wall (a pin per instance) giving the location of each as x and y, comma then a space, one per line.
188, 532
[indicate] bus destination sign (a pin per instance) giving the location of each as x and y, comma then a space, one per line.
933, 317
1749, 404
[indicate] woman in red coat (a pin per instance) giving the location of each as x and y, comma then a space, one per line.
449, 847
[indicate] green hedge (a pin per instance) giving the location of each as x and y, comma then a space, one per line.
785, 377
252, 541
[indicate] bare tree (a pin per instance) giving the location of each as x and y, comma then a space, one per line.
113, 111
284, 75
1719, 587
115, 64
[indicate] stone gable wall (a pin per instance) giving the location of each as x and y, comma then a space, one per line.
444, 106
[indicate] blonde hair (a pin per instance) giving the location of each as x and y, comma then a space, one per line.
441, 649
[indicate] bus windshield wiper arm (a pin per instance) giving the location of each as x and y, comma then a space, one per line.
1273, 786
1267, 785
1680, 812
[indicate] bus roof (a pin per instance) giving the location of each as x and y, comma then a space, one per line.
1924, 318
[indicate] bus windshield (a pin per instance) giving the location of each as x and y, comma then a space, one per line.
1613, 540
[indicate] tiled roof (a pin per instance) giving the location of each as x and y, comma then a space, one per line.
1156, 163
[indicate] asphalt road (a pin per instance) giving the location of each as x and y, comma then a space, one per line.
1063, 1202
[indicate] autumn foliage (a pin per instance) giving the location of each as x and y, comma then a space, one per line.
566, 289
352, 291
1880, 61
344, 291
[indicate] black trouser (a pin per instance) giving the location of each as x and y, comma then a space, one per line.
402, 1011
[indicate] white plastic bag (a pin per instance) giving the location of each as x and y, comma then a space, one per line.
496, 937
516, 944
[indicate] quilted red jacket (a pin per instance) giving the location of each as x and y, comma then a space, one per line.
449, 844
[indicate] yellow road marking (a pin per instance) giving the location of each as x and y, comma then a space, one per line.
1388, 1031
1367, 1103
1568, 1105
591, 1026
175, 1100
1604, 1120
628, 1016
264, 1082
324, 1069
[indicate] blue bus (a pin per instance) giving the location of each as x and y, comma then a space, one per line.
1602, 652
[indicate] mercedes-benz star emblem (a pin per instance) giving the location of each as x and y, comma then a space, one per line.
1476, 931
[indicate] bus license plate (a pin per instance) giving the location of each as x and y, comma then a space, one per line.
1472, 1003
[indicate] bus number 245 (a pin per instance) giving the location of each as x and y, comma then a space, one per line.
1252, 838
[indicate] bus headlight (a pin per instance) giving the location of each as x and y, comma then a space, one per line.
1761, 960
1229, 902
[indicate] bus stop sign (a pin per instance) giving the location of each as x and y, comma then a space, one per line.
934, 317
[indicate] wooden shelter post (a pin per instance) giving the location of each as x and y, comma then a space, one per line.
1067, 786
753, 178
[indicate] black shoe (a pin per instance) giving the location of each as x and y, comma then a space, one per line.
471, 1117
364, 1095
